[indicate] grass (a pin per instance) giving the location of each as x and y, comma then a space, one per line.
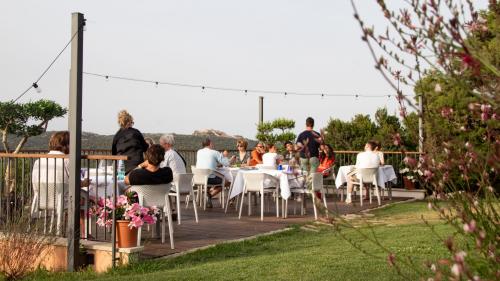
298, 254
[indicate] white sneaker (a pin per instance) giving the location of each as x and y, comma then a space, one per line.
348, 200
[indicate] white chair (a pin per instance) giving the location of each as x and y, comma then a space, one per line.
200, 180
183, 185
367, 176
316, 180
156, 195
260, 183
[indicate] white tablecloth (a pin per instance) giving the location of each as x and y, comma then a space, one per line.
286, 181
385, 174
104, 186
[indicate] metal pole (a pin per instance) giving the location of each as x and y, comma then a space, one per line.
261, 110
420, 124
75, 132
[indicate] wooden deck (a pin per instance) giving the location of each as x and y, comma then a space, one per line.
215, 226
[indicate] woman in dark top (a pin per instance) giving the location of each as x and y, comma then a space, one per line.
129, 141
150, 171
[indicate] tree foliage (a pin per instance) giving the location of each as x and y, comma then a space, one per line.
26, 120
353, 134
276, 132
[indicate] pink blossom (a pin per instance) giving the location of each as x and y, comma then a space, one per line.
470, 227
396, 139
485, 116
428, 174
122, 200
148, 219
456, 269
109, 204
391, 259
446, 112
460, 256
410, 161
135, 222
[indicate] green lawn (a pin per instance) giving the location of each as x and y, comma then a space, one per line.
298, 254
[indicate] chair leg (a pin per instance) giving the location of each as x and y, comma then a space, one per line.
178, 199
286, 208
277, 205
262, 206
370, 193
250, 203
241, 205
361, 194
378, 195
170, 226
314, 205
195, 207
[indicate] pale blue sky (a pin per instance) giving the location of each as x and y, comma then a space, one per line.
290, 45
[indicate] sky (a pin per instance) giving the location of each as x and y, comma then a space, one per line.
279, 45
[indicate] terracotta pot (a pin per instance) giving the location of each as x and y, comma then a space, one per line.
408, 183
125, 236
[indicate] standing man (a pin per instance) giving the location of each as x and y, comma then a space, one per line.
172, 158
308, 144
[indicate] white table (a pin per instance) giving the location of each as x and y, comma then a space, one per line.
286, 181
104, 185
385, 174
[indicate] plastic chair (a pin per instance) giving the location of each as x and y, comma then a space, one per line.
200, 180
256, 182
367, 176
316, 180
183, 185
156, 195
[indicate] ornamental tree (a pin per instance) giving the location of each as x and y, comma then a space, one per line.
448, 53
26, 120
276, 132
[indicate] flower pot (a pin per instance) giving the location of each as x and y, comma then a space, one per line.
125, 236
408, 184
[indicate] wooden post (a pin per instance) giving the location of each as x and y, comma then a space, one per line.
75, 132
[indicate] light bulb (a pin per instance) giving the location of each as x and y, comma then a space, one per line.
203, 89
37, 88
156, 84
107, 78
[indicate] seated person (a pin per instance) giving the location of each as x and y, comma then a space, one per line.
271, 158
326, 160
242, 156
209, 158
150, 172
367, 159
290, 154
55, 171
172, 159
256, 155
379, 152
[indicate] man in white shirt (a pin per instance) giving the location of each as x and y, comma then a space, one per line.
367, 159
270, 158
172, 158
208, 158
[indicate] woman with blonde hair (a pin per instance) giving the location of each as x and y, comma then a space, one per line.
129, 141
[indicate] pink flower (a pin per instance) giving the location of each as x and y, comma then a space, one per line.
470, 227
135, 222
410, 161
428, 174
391, 259
460, 256
396, 139
456, 269
148, 219
122, 200
446, 112
109, 204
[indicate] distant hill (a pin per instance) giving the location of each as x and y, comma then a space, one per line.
96, 141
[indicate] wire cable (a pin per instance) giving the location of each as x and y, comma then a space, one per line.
35, 84
229, 89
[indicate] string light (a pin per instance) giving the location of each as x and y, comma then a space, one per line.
37, 88
107, 78
236, 90
156, 84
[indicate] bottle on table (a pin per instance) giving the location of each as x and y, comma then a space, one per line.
120, 175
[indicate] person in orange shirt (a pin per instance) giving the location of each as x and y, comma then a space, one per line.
326, 160
256, 155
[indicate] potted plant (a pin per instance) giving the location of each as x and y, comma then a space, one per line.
129, 217
409, 178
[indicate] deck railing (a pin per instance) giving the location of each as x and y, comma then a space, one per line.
36, 186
